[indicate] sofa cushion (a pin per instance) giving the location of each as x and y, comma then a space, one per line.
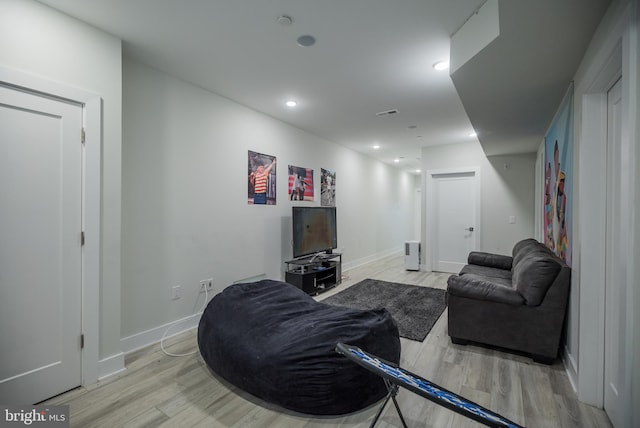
479, 288
505, 282
491, 260
485, 271
520, 245
524, 248
533, 275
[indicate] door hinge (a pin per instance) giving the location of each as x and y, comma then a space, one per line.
82, 341
82, 135
82, 238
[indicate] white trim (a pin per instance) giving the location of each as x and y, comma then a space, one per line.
91, 203
592, 177
591, 229
571, 368
92, 253
371, 258
430, 213
154, 335
111, 366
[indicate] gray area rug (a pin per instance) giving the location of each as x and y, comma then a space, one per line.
415, 309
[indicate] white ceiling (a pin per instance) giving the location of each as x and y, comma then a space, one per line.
370, 56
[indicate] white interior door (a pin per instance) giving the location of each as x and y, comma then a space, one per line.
40, 246
417, 215
615, 266
453, 205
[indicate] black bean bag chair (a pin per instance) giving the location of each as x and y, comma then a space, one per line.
275, 342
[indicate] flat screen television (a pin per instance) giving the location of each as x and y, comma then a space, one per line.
314, 230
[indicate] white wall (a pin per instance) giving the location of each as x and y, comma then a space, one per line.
38, 40
633, 303
507, 189
612, 52
185, 215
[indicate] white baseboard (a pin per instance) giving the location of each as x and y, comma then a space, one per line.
132, 343
372, 258
114, 364
149, 337
571, 368
110, 366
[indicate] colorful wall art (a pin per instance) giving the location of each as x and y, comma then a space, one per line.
558, 181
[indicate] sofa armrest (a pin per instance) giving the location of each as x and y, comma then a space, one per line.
491, 260
473, 288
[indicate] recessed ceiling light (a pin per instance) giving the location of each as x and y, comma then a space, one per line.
396, 160
285, 20
441, 65
472, 134
290, 103
376, 146
306, 41
418, 170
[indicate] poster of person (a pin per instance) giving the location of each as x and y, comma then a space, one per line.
558, 181
327, 188
261, 179
301, 184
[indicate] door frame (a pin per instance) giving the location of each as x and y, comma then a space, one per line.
592, 177
91, 203
430, 200
612, 62
615, 269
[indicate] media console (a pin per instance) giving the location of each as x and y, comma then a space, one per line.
315, 274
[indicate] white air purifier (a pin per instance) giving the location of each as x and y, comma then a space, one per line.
412, 255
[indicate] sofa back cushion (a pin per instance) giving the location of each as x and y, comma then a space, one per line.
533, 276
523, 248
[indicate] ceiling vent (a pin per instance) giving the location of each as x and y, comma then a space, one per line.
387, 113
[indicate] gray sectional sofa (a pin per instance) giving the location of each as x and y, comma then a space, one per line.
517, 302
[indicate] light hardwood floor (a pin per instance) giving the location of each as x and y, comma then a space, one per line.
161, 391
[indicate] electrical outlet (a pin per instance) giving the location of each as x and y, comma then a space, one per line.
206, 284
175, 292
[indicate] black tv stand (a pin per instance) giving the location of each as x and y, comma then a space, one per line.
315, 273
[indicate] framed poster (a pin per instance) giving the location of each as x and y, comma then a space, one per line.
327, 188
301, 184
261, 179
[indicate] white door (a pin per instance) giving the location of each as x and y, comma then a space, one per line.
615, 266
417, 214
453, 207
40, 246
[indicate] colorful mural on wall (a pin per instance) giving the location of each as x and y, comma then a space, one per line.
558, 180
